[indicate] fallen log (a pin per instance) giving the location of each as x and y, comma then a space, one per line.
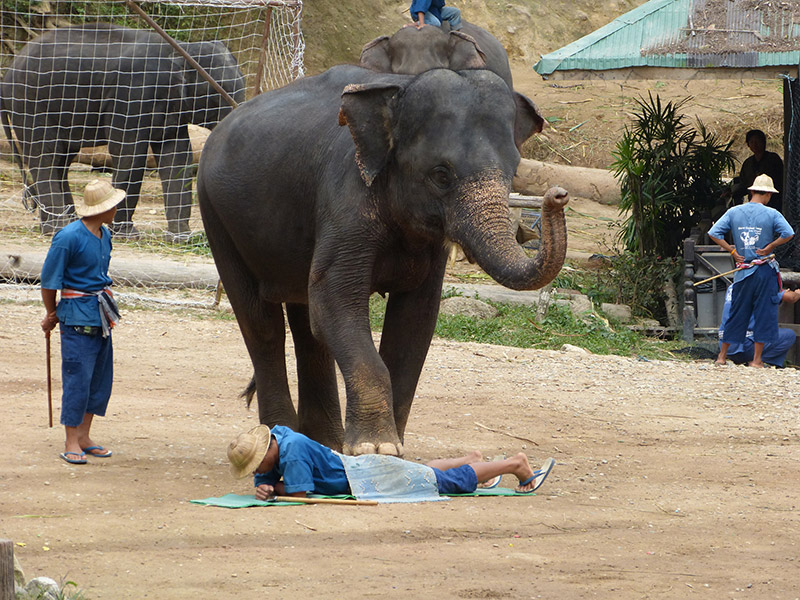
534, 178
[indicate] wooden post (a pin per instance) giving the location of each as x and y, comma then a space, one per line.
6, 570
296, 42
689, 296
262, 57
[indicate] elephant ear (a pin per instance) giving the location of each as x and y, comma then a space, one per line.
375, 55
528, 120
465, 52
367, 110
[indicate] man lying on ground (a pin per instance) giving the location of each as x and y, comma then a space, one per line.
286, 463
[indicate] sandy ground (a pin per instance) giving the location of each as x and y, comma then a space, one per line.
673, 479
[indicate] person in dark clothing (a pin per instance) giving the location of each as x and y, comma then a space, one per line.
762, 162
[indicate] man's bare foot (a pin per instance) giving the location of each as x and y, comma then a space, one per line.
720, 363
757, 365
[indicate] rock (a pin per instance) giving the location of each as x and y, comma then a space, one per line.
577, 302
576, 349
43, 588
467, 307
19, 575
620, 312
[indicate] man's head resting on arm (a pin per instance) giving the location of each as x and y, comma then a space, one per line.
248, 451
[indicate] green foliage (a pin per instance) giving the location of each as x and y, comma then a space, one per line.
514, 326
627, 278
669, 173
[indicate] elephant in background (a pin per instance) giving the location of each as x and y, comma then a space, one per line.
412, 51
351, 182
99, 83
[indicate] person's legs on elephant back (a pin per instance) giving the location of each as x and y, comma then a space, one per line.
453, 16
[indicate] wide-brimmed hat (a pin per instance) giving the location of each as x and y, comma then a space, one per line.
763, 184
98, 197
247, 451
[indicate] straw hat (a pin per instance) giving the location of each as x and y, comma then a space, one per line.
98, 197
247, 451
763, 184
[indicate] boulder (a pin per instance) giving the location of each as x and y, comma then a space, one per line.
467, 307
620, 312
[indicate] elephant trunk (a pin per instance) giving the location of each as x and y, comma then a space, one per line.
481, 225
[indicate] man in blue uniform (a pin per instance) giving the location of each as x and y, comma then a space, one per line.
77, 264
284, 462
774, 352
756, 231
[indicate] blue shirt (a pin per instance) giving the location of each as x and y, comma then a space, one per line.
753, 226
305, 466
432, 6
78, 260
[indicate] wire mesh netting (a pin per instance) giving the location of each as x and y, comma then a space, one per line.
92, 89
789, 254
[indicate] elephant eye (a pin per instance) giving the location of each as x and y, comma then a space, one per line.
442, 177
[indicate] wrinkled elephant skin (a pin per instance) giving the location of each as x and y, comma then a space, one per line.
94, 84
412, 51
353, 182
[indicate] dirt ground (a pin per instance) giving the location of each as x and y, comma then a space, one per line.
673, 479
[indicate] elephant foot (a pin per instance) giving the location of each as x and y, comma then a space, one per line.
388, 448
177, 238
125, 231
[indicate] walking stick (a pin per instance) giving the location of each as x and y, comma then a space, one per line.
49, 379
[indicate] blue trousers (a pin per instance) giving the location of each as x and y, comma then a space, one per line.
459, 480
774, 352
87, 372
449, 13
755, 295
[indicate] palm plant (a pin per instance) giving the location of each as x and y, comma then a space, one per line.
670, 173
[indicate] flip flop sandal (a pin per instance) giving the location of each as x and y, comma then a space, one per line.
539, 476
106, 454
74, 461
490, 484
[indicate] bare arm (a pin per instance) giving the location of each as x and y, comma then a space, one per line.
50, 320
768, 249
737, 258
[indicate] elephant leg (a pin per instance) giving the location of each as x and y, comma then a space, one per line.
130, 162
49, 172
176, 171
262, 325
318, 410
407, 332
339, 312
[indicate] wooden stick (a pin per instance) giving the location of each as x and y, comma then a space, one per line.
728, 272
49, 379
303, 500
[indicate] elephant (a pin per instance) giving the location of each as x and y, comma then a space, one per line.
412, 51
100, 83
303, 211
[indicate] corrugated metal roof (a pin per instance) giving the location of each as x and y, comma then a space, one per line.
687, 34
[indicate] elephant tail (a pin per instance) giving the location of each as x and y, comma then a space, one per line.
249, 391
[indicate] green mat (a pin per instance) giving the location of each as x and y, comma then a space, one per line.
245, 501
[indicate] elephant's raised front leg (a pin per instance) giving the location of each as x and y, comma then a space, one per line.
49, 171
318, 411
338, 299
407, 332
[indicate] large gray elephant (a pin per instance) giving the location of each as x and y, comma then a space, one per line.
412, 51
301, 210
94, 84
